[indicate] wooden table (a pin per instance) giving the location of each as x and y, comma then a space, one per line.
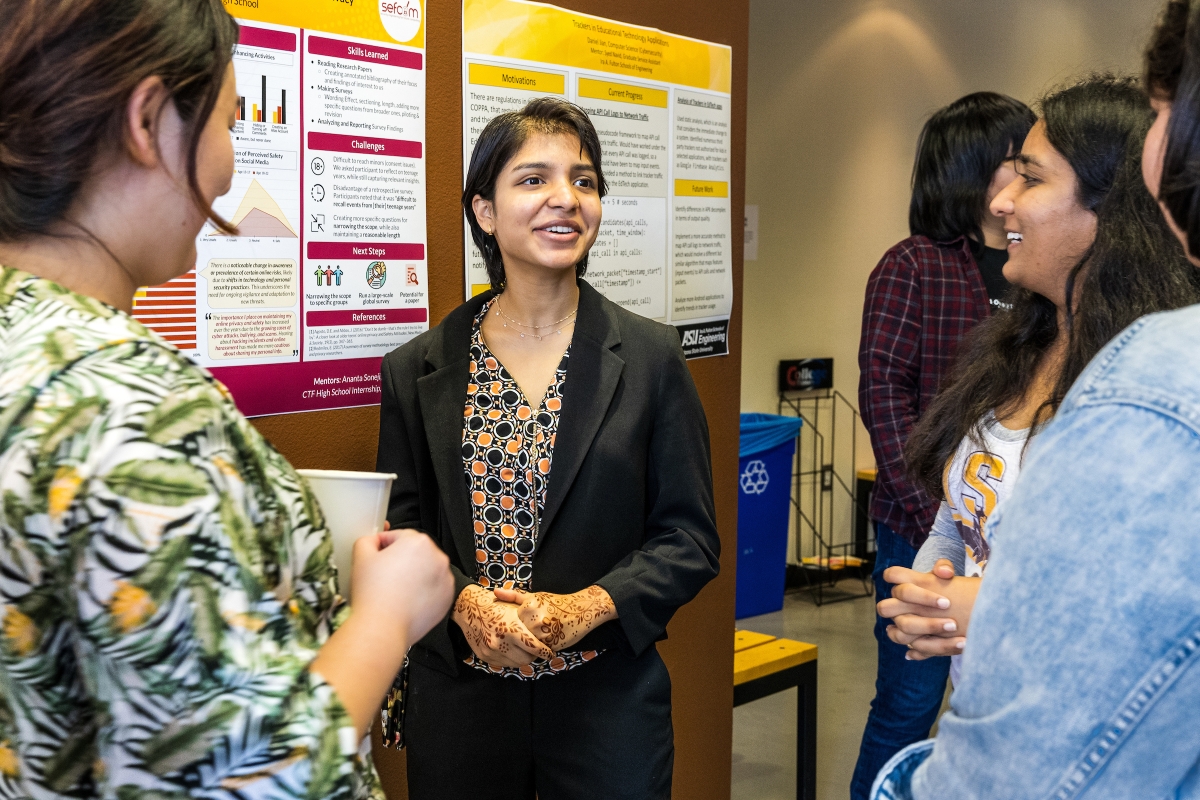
764, 665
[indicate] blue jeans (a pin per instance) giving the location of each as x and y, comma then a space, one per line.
908, 694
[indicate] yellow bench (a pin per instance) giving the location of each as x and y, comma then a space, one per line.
764, 665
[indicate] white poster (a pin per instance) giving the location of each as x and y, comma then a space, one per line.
327, 271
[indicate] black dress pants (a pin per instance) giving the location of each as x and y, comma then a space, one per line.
602, 730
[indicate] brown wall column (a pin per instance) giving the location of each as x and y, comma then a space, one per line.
699, 652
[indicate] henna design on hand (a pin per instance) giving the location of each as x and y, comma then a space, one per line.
490, 628
561, 620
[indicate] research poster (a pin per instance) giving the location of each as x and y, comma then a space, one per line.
327, 270
660, 104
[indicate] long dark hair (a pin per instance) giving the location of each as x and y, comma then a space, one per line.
1135, 266
960, 148
1173, 73
499, 142
67, 71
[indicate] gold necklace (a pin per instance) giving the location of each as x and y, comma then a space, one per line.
539, 337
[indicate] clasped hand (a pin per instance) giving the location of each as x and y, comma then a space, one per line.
511, 628
930, 611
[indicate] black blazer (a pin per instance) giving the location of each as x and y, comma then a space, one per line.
629, 505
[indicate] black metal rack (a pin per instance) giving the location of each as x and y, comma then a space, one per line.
819, 476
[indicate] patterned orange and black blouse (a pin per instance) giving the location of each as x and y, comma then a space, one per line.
507, 452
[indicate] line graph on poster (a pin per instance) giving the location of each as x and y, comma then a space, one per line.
259, 215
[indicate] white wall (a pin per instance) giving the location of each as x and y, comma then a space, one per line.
838, 93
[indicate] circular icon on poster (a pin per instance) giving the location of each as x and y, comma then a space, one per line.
400, 18
318, 166
376, 274
318, 192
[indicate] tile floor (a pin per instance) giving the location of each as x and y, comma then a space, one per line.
764, 732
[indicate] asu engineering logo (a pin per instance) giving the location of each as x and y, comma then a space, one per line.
401, 18
700, 339
754, 479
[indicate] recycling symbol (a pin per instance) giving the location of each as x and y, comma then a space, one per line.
754, 478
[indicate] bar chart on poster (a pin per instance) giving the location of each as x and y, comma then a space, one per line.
660, 104
321, 269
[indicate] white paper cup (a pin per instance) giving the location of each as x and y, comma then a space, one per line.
355, 505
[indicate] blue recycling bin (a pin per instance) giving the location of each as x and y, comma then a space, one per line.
765, 453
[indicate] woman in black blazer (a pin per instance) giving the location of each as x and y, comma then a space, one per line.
576, 521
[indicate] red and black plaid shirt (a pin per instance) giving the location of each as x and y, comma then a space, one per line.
922, 298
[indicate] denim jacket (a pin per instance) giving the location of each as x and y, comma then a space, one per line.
1080, 676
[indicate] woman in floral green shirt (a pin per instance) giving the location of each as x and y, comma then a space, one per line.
170, 623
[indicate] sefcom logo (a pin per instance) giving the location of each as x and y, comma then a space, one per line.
401, 18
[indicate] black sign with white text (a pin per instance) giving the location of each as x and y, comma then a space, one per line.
805, 374
704, 339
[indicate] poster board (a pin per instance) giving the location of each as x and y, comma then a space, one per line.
661, 105
327, 272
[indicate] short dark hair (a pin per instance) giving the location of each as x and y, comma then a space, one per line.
1175, 50
1164, 54
67, 71
498, 144
960, 148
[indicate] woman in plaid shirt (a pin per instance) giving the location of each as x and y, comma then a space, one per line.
924, 296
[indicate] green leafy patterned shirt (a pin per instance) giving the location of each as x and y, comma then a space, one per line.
165, 577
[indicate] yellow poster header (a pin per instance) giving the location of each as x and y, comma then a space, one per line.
622, 93
701, 188
378, 20
549, 34
527, 79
